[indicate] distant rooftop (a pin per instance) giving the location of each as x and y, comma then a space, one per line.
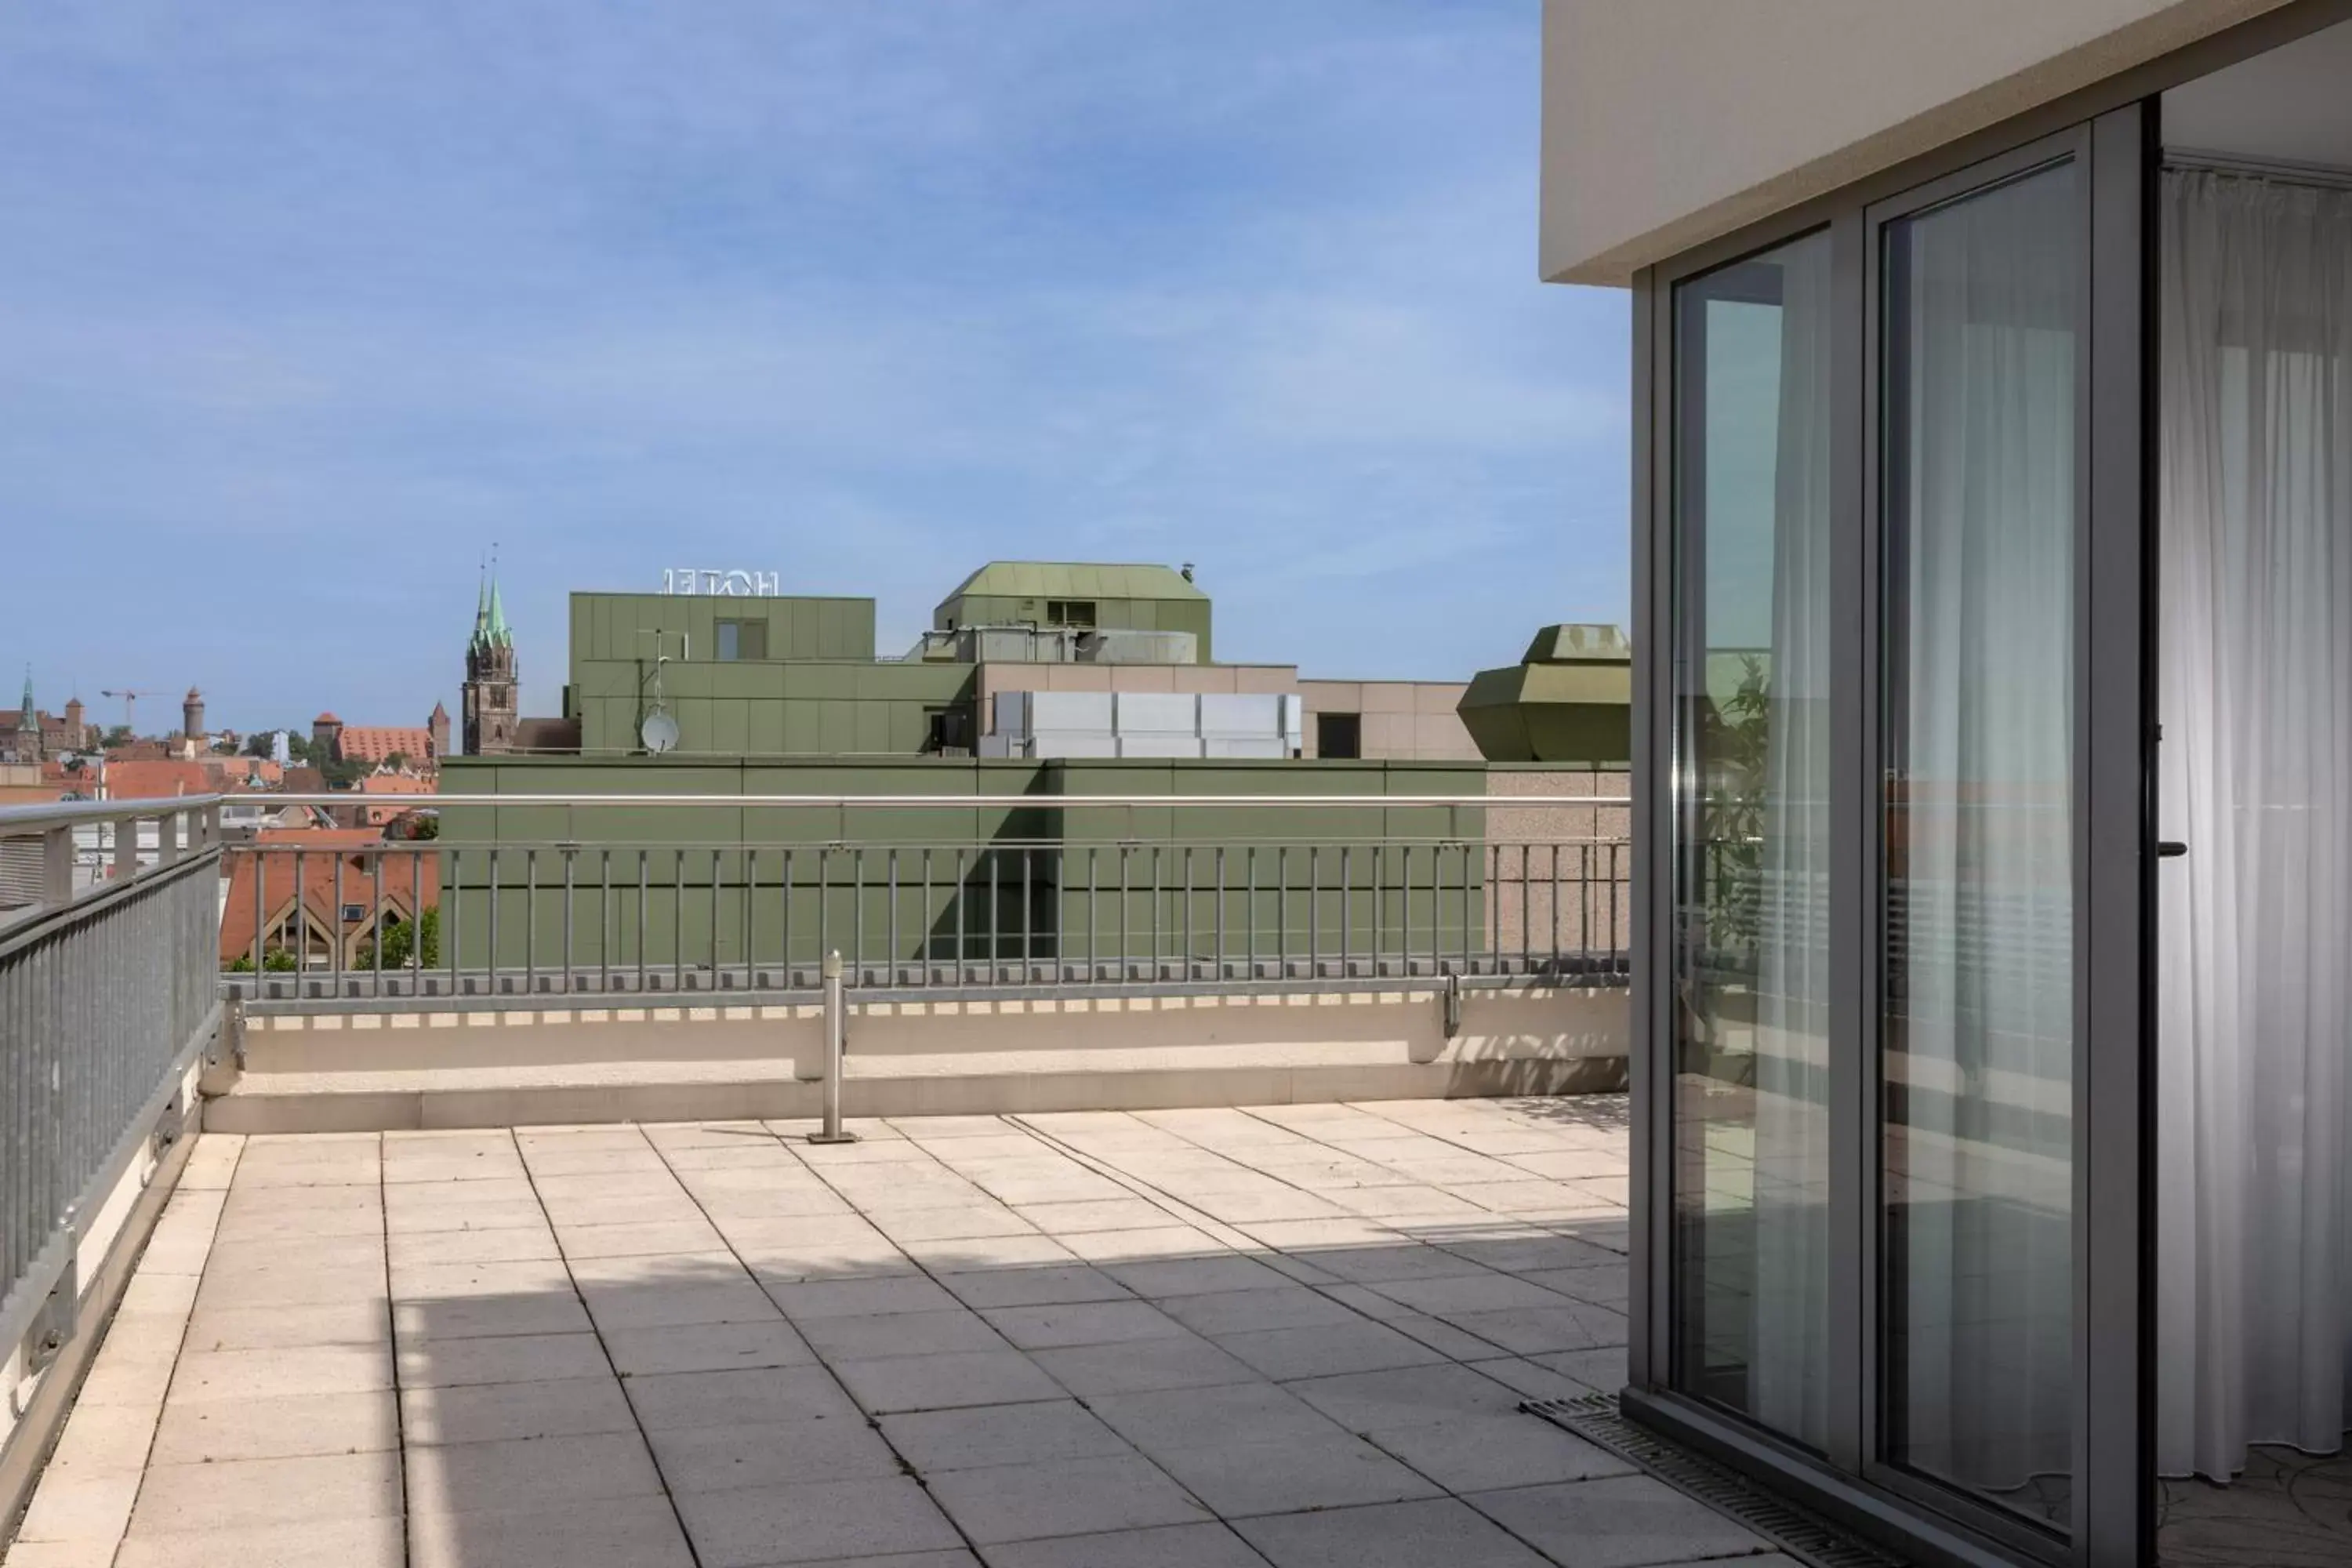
1075, 579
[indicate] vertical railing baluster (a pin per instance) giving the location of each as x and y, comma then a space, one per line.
644, 856
1249, 912
571, 951
892, 959
456, 912
531, 922
1093, 965
606, 921
677, 919
338, 927
490, 968
857, 915
1222, 973
1190, 972
1156, 970
1467, 930
1314, 911
823, 899
1126, 948
1346, 917
924, 975
716, 869
375, 892
995, 914
1282, 909
1028, 911
785, 921
962, 880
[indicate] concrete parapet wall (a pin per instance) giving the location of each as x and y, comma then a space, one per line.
339, 1072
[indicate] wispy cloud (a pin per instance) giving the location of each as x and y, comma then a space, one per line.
309, 303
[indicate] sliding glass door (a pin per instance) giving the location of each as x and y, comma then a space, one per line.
1898, 844
1983, 341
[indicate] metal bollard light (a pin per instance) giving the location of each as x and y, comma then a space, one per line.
835, 1026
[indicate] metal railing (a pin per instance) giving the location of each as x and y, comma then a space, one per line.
108, 989
1144, 902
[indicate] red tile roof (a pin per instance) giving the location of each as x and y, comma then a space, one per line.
378, 743
156, 780
410, 882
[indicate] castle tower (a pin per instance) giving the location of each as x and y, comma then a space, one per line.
191, 716
438, 729
77, 725
489, 697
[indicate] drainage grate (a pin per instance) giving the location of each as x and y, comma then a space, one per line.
1798, 1531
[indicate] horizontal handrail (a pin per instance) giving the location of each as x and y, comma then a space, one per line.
955, 801
18, 821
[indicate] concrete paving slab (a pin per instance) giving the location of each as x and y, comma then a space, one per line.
1062, 1497
238, 1494
755, 1526
1241, 1480
1327, 1350
869, 1338
742, 1397
1491, 1453
898, 1383
1063, 1324
313, 1543
706, 1347
935, 1440
1033, 1287
1167, 1546
277, 1427
1621, 1521
771, 1454
529, 1473
1388, 1535
618, 1532
505, 1358
1138, 1367
488, 1413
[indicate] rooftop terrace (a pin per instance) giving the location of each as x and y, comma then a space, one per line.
1296, 1335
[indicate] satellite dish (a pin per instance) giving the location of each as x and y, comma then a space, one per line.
659, 732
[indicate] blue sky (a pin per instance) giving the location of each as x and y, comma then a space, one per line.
302, 305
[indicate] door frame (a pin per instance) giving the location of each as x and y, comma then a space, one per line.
2113, 1520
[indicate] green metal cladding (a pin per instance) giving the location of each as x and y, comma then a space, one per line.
1127, 598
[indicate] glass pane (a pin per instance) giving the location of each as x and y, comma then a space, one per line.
1983, 317
1751, 817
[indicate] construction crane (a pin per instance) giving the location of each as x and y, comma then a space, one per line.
131, 706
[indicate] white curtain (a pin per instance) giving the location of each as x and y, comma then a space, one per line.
1981, 1044
1788, 1368
2254, 999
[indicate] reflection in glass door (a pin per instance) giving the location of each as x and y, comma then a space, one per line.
1750, 985
1982, 326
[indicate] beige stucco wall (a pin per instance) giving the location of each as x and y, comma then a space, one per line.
1669, 123
1404, 721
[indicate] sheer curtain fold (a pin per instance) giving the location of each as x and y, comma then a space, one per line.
2254, 993
1980, 1025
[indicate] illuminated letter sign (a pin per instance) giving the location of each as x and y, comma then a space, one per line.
711, 581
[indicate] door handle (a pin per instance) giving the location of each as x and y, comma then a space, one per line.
2171, 848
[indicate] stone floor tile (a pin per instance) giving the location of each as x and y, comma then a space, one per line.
617, 1533
312, 1543
1399, 1258
238, 1494
626, 1306
706, 1347
1489, 1453
741, 1527
945, 1382
529, 1473
1243, 1479
1619, 1522
492, 1412
1166, 1546
506, 1244
934, 1440
1327, 1350
94, 1508
808, 1300
1244, 1312
1453, 1294
1603, 1284
815, 1261
292, 1287
268, 1328
1033, 1287
672, 1205
629, 1241
1602, 1369
953, 1225
467, 1282
1114, 1213
506, 1358
771, 1454
1062, 1497
241, 1374
1388, 1535
1141, 1365
1408, 1397
548, 1313
1171, 1419
1065, 1324
899, 1334
546, 1162
1163, 1242
1530, 1379
1196, 1276
735, 1399
971, 1254
277, 1427
462, 1214
102, 1442
1538, 1331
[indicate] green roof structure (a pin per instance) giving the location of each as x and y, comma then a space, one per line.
1086, 596
1569, 700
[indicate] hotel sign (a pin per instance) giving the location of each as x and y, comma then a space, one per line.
712, 581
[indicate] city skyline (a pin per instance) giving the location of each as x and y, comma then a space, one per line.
859, 295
